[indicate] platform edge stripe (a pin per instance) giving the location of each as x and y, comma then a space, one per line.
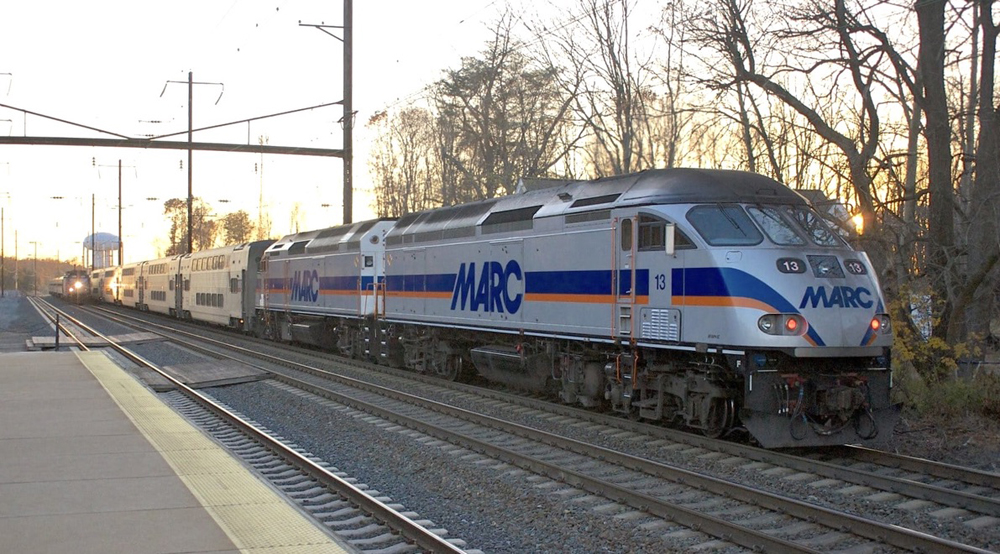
224, 493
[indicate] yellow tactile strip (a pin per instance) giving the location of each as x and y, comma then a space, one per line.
250, 513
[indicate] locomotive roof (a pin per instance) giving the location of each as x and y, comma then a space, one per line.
668, 186
656, 186
324, 240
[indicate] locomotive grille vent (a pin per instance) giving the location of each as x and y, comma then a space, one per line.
661, 324
600, 215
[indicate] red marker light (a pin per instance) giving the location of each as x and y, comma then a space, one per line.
791, 324
876, 323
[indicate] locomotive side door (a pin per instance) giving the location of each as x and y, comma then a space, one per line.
623, 275
647, 251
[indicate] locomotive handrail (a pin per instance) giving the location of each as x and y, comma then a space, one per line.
377, 291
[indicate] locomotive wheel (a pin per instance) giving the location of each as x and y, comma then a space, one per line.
717, 421
450, 369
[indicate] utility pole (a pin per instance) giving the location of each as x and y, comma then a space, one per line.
92, 238
36, 267
190, 197
348, 111
190, 201
3, 273
121, 248
347, 123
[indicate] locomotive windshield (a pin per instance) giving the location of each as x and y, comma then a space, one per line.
724, 225
730, 225
776, 227
814, 226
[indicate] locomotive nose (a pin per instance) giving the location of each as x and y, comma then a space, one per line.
846, 315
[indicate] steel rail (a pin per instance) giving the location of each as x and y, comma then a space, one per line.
44, 307
937, 469
883, 533
421, 536
908, 487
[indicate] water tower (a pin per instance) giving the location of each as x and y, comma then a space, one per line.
102, 248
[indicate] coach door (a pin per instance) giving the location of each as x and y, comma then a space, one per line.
178, 294
140, 286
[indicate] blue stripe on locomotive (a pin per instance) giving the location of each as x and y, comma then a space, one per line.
731, 285
338, 284
727, 282
594, 282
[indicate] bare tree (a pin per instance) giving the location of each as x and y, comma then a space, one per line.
203, 227
611, 94
934, 103
237, 227
295, 217
844, 51
404, 162
984, 251
501, 117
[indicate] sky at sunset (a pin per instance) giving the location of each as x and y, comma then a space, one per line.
105, 64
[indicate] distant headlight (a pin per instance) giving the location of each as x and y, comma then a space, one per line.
78, 285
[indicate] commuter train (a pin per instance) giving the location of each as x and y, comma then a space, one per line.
74, 286
711, 299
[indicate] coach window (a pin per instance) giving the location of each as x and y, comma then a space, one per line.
626, 234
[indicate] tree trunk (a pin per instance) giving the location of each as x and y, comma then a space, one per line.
941, 224
985, 204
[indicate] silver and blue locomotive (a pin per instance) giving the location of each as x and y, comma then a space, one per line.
73, 286
708, 298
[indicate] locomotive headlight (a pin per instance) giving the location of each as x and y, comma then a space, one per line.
766, 323
881, 323
77, 285
791, 324
782, 324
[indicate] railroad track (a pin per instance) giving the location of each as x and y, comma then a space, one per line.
733, 513
66, 329
371, 521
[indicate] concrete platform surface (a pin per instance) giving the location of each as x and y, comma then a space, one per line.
19, 321
93, 462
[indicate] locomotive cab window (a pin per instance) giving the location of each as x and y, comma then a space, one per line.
626, 234
653, 235
724, 225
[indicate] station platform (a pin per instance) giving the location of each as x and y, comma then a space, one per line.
91, 461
